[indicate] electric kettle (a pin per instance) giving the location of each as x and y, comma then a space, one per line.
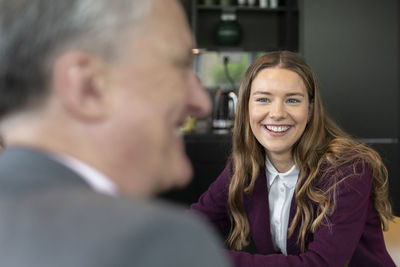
223, 115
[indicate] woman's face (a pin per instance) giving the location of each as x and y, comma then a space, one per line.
279, 110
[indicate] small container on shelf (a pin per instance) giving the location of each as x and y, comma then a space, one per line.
273, 3
251, 2
228, 31
264, 3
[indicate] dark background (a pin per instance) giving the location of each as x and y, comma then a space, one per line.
353, 46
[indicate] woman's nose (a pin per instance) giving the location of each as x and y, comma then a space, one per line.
277, 110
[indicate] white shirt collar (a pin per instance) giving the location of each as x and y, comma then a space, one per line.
97, 180
289, 178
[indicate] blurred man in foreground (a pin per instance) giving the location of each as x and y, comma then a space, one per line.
92, 92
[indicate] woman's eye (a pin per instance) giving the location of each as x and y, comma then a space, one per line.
293, 101
262, 99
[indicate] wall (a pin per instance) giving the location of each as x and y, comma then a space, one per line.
353, 46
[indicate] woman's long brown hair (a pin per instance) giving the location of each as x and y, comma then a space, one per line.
323, 148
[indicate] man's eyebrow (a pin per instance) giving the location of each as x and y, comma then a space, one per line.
185, 60
190, 56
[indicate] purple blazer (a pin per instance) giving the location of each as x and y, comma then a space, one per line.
355, 236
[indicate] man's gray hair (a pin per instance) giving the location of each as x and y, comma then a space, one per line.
32, 32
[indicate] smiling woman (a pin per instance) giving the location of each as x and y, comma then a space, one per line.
298, 189
279, 110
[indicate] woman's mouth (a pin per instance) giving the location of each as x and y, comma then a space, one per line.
277, 129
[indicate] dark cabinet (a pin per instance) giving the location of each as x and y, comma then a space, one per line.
209, 153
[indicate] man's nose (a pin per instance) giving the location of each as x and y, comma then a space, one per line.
199, 100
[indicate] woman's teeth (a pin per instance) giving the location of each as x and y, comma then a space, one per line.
278, 129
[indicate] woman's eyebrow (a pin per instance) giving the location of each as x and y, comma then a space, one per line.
261, 93
295, 94
268, 93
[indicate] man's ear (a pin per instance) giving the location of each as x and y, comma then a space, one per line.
78, 83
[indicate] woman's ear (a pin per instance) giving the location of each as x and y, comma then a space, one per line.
78, 81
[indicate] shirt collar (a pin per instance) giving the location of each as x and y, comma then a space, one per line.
289, 178
97, 180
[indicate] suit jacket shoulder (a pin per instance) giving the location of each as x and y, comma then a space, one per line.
50, 217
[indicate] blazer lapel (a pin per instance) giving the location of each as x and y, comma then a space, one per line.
292, 246
257, 209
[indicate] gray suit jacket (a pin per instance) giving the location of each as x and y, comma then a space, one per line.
50, 217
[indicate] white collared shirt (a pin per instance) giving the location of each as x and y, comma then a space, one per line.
280, 192
98, 181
